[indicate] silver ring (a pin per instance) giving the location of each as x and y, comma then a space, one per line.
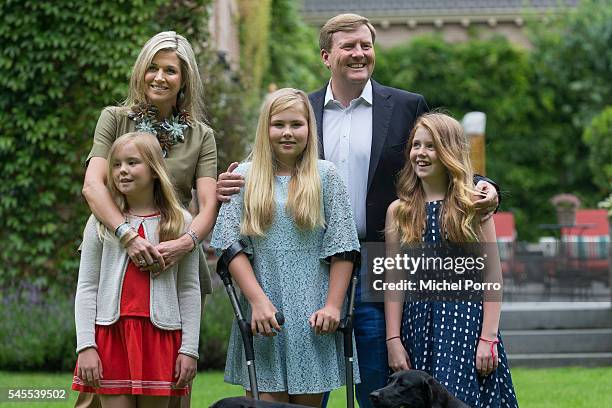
142, 262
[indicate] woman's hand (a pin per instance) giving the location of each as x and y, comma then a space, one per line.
397, 355
185, 370
90, 367
487, 358
145, 255
325, 320
173, 251
263, 318
486, 201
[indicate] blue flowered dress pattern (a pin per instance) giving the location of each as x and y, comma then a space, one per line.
290, 265
441, 339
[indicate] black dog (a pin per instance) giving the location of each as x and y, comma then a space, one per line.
414, 389
245, 402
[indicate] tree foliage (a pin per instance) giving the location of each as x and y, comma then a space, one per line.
572, 64
254, 37
293, 50
573, 58
598, 137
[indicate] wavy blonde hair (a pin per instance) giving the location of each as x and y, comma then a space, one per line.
305, 198
192, 89
457, 218
172, 221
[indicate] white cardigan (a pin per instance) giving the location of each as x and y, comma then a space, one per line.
175, 294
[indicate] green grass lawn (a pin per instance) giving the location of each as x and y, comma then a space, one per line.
537, 388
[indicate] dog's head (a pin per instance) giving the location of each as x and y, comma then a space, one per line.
408, 388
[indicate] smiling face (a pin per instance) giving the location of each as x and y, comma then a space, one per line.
132, 176
288, 136
424, 157
163, 81
351, 57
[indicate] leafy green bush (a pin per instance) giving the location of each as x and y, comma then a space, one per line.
571, 84
598, 136
294, 59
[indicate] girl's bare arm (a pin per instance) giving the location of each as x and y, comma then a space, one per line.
394, 303
493, 274
263, 311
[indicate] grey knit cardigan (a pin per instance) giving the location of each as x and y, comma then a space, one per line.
175, 293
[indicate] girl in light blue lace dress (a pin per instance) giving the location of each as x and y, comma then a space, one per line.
295, 217
458, 343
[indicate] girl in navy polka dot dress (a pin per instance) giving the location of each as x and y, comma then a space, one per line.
458, 343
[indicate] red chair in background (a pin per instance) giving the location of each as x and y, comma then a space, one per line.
586, 244
506, 237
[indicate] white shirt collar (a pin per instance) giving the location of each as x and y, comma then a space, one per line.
366, 93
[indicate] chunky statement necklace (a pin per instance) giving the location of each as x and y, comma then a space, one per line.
168, 132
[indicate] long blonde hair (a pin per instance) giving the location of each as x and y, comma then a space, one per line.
190, 97
172, 220
457, 216
305, 198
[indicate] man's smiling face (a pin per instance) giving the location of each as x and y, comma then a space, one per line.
351, 57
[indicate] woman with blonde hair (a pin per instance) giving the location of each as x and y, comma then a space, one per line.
294, 217
458, 343
164, 99
137, 336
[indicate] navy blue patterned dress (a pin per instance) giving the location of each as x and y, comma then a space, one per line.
441, 339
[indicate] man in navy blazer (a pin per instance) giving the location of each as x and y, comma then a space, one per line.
394, 112
360, 121
363, 128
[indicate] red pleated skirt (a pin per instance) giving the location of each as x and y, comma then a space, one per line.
137, 358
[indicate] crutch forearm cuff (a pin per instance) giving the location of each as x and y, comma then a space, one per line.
231, 252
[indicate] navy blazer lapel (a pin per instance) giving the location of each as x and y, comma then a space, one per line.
382, 107
316, 100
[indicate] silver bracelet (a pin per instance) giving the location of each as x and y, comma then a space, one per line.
194, 238
122, 229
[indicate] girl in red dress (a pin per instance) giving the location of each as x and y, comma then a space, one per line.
137, 329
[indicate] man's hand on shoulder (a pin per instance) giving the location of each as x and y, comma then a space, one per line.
229, 183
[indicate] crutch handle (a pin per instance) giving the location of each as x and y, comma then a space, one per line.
346, 324
280, 318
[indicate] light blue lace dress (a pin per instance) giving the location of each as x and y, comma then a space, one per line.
290, 266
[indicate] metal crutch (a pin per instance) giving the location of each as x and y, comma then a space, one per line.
243, 325
346, 327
